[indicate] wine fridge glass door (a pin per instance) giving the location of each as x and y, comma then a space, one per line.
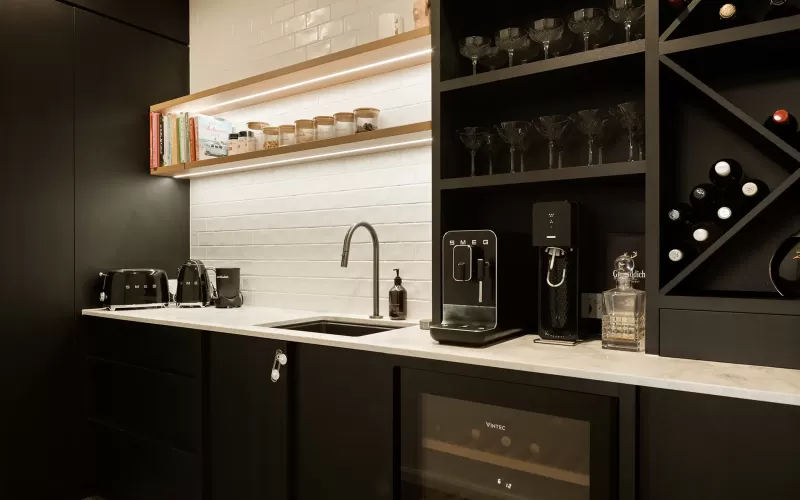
467, 438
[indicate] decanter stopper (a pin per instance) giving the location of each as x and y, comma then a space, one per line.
623, 269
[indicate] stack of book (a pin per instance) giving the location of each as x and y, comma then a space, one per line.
184, 137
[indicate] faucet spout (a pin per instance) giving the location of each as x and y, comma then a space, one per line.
375, 261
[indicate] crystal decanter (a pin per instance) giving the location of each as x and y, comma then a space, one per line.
623, 310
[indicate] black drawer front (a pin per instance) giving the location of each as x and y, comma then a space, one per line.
129, 467
158, 405
752, 339
176, 350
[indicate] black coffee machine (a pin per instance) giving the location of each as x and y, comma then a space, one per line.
556, 236
229, 293
483, 284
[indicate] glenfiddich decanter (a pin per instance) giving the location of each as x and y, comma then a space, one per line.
623, 313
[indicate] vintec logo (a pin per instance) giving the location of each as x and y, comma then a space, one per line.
222, 277
495, 426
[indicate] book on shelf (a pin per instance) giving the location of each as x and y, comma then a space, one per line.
154, 133
183, 138
212, 137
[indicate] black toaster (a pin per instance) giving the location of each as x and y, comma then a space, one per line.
134, 288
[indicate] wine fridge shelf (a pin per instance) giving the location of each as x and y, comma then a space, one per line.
785, 307
755, 30
555, 175
552, 64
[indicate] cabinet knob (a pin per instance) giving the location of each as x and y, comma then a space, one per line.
280, 360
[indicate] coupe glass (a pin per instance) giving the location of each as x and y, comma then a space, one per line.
527, 53
591, 123
473, 48
631, 116
586, 22
546, 31
516, 136
473, 138
511, 39
626, 12
552, 128
493, 59
493, 145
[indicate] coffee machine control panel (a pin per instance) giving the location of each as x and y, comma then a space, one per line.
468, 267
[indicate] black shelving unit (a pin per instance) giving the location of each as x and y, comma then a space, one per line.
705, 93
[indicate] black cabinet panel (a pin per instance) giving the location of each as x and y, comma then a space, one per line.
342, 423
158, 405
166, 17
38, 375
751, 339
123, 216
166, 348
134, 468
694, 446
246, 419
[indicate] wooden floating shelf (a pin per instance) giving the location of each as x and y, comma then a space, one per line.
388, 139
382, 56
591, 56
535, 176
755, 30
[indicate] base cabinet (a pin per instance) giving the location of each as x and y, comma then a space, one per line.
246, 419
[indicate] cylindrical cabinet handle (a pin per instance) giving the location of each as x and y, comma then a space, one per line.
280, 360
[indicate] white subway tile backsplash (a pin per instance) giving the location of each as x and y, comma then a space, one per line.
305, 5
318, 49
330, 29
294, 24
358, 20
305, 37
319, 16
417, 290
346, 41
342, 8
283, 13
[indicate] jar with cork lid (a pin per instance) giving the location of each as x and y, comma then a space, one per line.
345, 124
367, 119
325, 127
304, 131
271, 137
287, 135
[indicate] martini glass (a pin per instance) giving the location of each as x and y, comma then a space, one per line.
516, 136
473, 48
552, 128
473, 138
631, 116
511, 39
626, 12
493, 59
493, 145
546, 31
591, 123
586, 22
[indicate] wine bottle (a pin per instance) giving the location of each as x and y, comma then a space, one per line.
726, 174
727, 216
681, 254
677, 4
753, 192
779, 9
704, 234
703, 199
783, 124
678, 221
730, 16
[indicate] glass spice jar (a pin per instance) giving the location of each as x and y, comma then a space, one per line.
304, 131
287, 135
325, 127
345, 124
272, 137
367, 119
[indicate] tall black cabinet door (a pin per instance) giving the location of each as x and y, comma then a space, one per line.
246, 426
37, 372
123, 216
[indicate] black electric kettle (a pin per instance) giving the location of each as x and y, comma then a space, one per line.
195, 288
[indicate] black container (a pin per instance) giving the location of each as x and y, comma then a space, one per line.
398, 306
228, 288
784, 268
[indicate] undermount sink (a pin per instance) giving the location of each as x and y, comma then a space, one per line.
336, 328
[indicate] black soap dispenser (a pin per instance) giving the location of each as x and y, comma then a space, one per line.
397, 298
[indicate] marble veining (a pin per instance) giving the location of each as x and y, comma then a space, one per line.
588, 360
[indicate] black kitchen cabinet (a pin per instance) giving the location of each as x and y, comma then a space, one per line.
695, 446
342, 423
169, 18
246, 418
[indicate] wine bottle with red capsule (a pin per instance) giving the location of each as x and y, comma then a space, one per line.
678, 4
783, 124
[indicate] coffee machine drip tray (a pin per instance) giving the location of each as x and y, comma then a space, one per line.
469, 325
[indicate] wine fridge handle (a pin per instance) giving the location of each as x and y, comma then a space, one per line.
280, 360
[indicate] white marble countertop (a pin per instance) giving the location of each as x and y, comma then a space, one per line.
587, 360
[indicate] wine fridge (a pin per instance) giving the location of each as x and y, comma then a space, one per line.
476, 439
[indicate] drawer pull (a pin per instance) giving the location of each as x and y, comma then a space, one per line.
280, 360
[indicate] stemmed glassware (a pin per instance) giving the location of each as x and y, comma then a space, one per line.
546, 31
631, 117
527, 53
626, 12
474, 47
493, 145
515, 134
473, 138
511, 39
552, 128
591, 123
493, 59
586, 22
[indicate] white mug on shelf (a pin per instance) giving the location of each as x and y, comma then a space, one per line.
389, 25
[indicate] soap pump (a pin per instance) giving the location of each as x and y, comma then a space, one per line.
397, 298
